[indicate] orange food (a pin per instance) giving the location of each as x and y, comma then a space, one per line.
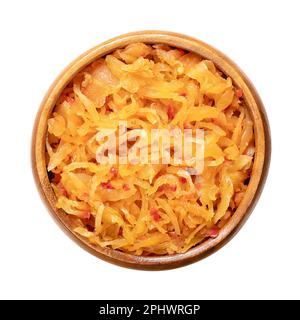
145, 208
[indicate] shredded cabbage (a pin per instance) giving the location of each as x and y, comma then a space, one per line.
149, 208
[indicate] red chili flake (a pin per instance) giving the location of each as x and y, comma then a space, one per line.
106, 185
213, 232
161, 188
171, 112
182, 180
181, 51
126, 187
70, 100
183, 94
114, 171
239, 92
198, 186
155, 214
63, 189
85, 214
165, 187
172, 187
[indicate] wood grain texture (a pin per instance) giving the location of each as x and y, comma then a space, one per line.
260, 165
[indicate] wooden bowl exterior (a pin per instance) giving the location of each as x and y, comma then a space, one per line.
260, 166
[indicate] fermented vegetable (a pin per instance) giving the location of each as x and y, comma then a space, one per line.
149, 208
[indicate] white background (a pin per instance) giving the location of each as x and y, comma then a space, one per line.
38, 39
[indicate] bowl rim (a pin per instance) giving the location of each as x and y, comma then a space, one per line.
259, 171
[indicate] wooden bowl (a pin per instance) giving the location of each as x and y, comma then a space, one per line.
260, 166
